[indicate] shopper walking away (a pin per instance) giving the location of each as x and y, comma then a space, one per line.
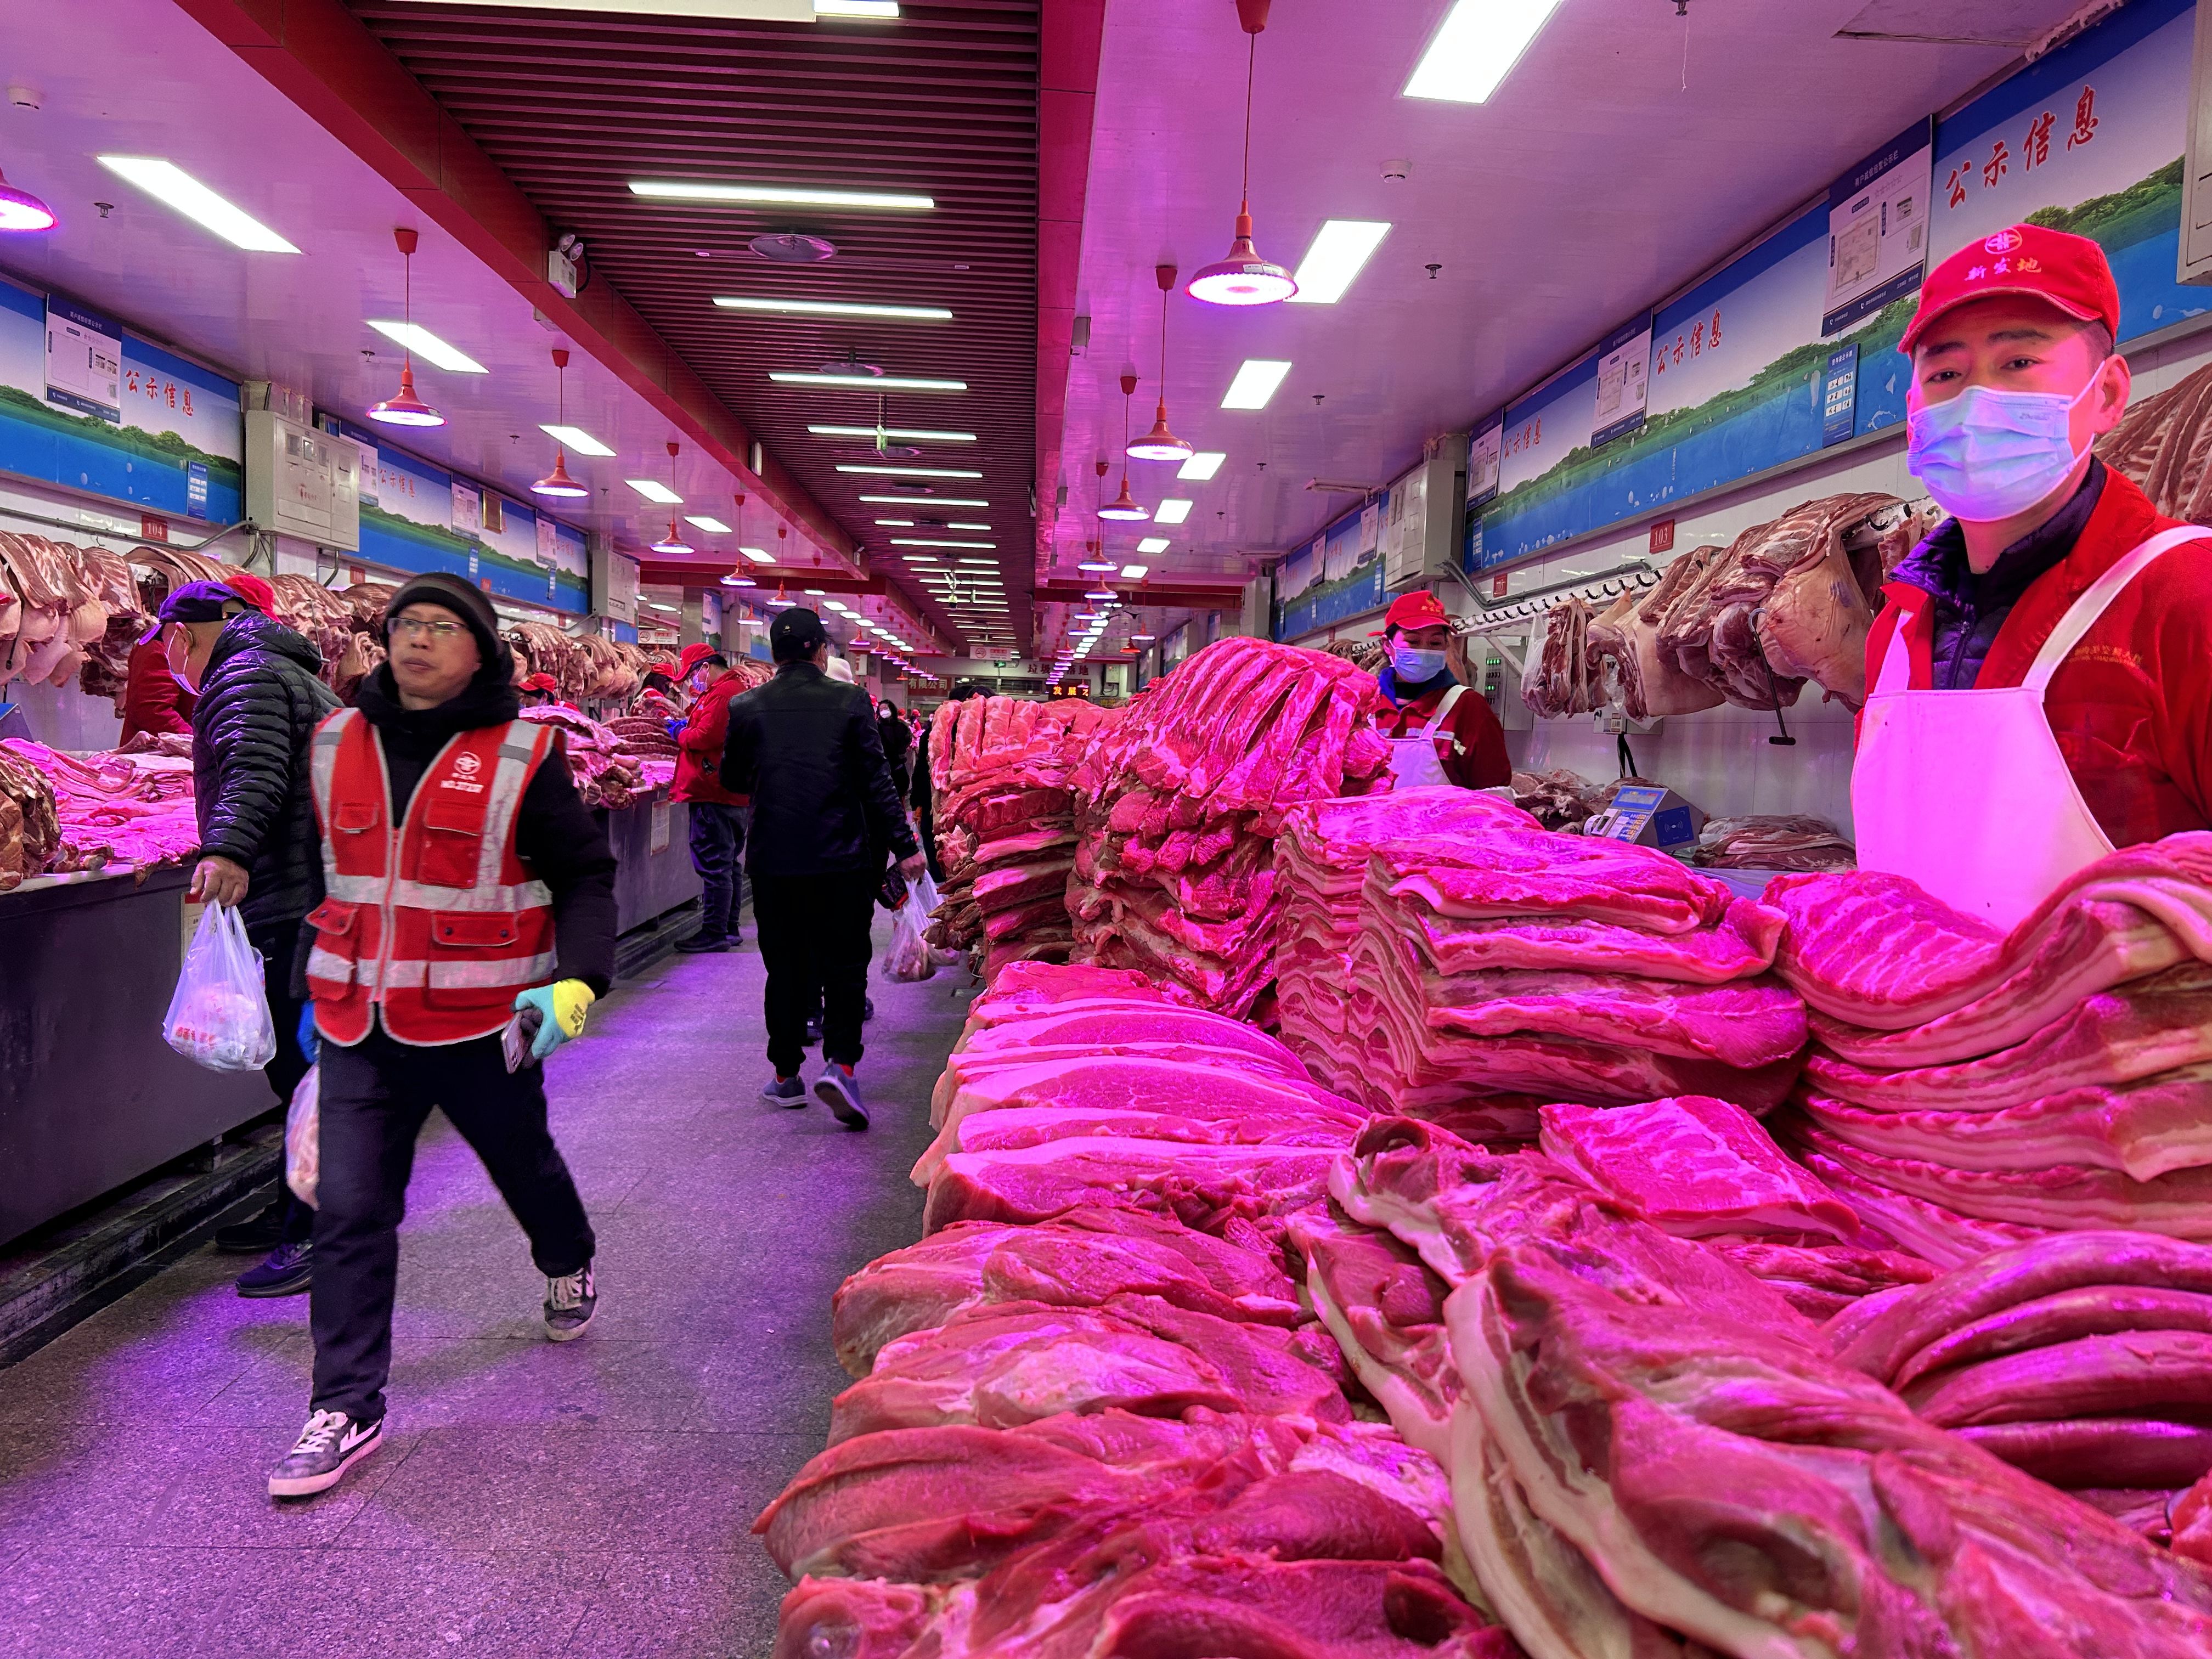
256, 706
718, 817
467, 885
897, 739
1438, 732
804, 750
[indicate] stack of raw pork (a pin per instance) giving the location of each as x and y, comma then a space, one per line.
1969, 1090
1006, 824
1178, 805
1654, 1452
1484, 966
1093, 1415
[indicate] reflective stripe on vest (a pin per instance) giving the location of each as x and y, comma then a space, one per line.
436, 920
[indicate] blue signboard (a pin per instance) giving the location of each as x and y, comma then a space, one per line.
1839, 395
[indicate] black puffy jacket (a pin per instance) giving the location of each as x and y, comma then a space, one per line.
804, 750
259, 703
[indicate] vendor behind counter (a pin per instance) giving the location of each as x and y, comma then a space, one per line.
1438, 732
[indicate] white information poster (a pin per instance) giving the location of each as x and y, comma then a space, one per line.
84, 361
1624, 371
1878, 228
1370, 526
1484, 453
548, 541
468, 509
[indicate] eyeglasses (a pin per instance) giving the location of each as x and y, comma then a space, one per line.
411, 626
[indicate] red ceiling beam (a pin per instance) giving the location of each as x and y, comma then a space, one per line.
1067, 92
318, 55
1152, 594
679, 573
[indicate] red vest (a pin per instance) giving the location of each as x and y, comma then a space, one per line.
436, 919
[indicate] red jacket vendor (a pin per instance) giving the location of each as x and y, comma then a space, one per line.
1438, 732
2081, 618
718, 817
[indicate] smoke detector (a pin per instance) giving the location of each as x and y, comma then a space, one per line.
851, 363
794, 247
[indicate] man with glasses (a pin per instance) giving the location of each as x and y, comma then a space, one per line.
467, 886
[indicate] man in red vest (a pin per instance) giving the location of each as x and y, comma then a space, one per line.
465, 884
718, 815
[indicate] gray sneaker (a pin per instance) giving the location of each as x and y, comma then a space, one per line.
840, 1091
785, 1091
570, 1302
331, 1444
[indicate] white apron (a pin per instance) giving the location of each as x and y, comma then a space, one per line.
1966, 792
1414, 761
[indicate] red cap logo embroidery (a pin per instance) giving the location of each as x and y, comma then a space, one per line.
2003, 242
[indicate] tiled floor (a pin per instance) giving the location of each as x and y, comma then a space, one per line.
592, 1499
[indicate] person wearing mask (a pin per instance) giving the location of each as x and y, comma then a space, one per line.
718, 817
256, 702
154, 700
2080, 615
1438, 733
804, 750
898, 743
467, 887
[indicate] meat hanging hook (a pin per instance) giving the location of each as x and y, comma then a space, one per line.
1785, 741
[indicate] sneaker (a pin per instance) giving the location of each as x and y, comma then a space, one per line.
258, 1236
289, 1270
814, 1030
331, 1444
785, 1091
867, 1009
570, 1302
693, 943
840, 1091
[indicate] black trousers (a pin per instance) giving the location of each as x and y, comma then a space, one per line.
374, 1099
279, 943
814, 942
718, 835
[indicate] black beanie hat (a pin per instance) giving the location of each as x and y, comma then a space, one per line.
469, 604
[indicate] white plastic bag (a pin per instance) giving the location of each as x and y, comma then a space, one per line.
922, 894
303, 1138
219, 1017
907, 958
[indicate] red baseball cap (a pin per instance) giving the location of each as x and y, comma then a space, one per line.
2069, 272
255, 591
540, 682
1419, 608
694, 653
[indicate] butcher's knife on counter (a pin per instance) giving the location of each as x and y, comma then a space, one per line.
521, 1033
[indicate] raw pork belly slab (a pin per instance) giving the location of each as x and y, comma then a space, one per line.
1740, 944
1103, 1029
1512, 872
1745, 1025
1692, 1166
1204, 1187
1875, 950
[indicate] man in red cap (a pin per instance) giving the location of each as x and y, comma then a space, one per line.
718, 815
1437, 733
2056, 590
538, 690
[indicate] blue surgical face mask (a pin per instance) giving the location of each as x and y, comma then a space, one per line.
1987, 454
1411, 666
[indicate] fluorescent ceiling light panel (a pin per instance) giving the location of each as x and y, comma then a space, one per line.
833, 308
1171, 511
699, 190
922, 501
866, 382
427, 346
172, 187
1135, 573
876, 471
897, 524
758, 555
1199, 468
1475, 48
1255, 384
913, 434
967, 526
874, 9
577, 439
762, 11
1339, 248
923, 541
701, 521
653, 490
1150, 544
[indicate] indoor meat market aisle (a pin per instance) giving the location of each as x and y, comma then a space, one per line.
593, 1497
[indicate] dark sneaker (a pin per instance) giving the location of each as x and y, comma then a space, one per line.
570, 1302
258, 1236
840, 1091
867, 1008
289, 1270
814, 1030
785, 1091
331, 1444
693, 943
736, 941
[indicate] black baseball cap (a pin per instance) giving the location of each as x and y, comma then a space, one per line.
195, 602
795, 633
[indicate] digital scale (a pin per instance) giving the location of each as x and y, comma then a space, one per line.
1648, 815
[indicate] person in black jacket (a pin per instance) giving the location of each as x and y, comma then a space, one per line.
448, 673
258, 703
898, 744
805, 750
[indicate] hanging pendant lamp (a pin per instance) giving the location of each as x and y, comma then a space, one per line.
1243, 278
782, 601
557, 482
1160, 444
738, 577
1123, 508
406, 409
671, 543
21, 210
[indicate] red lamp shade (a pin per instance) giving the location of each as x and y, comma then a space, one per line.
406, 409
1160, 444
558, 482
1123, 506
21, 210
1242, 278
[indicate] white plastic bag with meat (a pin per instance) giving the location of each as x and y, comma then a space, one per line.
219, 1017
303, 1138
909, 957
923, 895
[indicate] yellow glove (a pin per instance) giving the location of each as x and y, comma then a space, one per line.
563, 1006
